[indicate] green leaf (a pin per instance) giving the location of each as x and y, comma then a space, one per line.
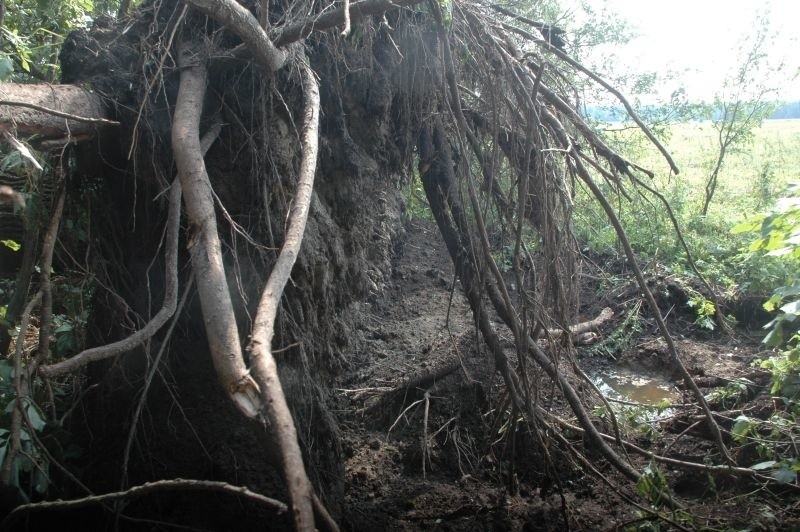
788, 291
747, 227
774, 337
6, 370
11, 244
742, 427
772, 303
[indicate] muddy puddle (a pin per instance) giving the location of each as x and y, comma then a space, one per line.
636, 387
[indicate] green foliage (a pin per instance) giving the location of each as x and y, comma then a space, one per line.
13, 245
704, 310
731, 394
417, 206
779, 238
785, 370
446, 8
34, 30
69, 333
637, 417
773, 440
724, 257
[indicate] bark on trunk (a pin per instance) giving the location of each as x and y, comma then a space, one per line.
52, 111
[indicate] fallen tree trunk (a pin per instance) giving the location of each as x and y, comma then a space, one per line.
52, 111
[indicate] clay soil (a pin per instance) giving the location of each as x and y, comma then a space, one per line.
440, 454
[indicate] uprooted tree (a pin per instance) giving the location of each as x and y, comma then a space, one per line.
282, 131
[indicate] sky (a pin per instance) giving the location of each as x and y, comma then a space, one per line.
699, 40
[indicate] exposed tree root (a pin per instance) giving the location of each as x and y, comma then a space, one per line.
148, 488
204, 243
23, 378
503, 110
238, 19
167, 310
437, 181
441, 182
262, 363
662, 326
264, 395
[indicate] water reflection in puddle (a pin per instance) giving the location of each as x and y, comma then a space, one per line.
636, 387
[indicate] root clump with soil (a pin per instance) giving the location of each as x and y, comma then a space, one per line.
272, 330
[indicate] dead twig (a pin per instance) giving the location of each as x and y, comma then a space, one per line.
426, 452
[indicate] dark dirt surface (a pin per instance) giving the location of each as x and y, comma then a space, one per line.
466, 477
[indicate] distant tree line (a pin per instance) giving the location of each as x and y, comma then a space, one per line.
618, 114
786, 110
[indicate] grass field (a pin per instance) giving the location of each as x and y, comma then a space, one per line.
753, 176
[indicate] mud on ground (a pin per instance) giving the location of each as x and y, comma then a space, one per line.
471, 475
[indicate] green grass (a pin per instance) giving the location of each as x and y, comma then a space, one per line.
752, 178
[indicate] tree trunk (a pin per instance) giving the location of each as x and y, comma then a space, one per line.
51, 111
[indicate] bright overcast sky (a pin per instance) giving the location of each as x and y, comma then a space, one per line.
699, 39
